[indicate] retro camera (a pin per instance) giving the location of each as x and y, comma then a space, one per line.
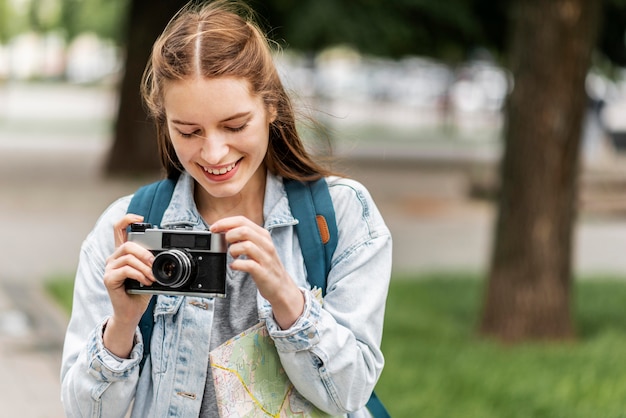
187, 262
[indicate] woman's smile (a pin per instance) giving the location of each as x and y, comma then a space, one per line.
221, 173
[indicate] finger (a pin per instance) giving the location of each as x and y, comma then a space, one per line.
116, 278
248, 249
247, 265
130, 260
226, 224
134, 263
120, 227
257, 235
134, 249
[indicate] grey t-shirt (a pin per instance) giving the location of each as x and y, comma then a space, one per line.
233, 314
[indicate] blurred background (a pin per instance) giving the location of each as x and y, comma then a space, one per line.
413, 96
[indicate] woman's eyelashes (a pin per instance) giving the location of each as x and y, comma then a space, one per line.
189, 134
237, 128
198, 133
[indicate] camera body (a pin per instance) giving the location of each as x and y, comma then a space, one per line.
187, 262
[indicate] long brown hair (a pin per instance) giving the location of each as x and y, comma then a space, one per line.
218, 39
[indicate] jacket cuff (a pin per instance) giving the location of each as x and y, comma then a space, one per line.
303, 334
107, 367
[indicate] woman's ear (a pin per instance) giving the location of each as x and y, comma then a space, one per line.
272, 113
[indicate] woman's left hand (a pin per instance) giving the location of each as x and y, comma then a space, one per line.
254, 252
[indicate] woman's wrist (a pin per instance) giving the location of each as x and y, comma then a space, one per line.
288, 307
119, 337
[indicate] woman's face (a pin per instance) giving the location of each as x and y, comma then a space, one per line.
220, 133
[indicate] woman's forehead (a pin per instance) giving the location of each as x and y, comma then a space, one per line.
220, 97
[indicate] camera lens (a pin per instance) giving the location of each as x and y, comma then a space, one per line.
172, 268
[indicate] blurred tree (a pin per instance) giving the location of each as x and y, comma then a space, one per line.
134, 150
528, 295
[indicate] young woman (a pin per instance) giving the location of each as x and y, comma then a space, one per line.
226, 131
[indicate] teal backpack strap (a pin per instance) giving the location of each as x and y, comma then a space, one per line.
151, 201
376, 407
311, 205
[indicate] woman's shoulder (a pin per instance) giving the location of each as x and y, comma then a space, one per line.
100, 242
344, 190
353, 203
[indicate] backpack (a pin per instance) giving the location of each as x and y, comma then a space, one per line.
310, 204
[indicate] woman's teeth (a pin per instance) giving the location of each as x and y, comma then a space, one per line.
217, 172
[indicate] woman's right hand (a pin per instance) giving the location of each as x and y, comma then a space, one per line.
129, 261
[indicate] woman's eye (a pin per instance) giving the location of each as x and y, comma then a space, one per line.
188, 134
237, 128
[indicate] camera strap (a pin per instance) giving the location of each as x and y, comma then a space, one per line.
310, 204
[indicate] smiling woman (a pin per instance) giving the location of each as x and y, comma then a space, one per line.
228, 141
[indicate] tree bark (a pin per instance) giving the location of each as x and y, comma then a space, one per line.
530, 277
134, 150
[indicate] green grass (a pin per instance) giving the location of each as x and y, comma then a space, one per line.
436, 366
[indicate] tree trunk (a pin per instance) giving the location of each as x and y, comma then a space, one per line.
528, 294
134, 150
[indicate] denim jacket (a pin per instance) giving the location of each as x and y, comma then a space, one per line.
331, 354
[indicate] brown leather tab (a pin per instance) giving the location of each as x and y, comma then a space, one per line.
323, 228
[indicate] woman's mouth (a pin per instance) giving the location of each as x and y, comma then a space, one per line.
220, 171
223, 173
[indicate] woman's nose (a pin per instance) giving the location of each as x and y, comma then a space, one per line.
214, 149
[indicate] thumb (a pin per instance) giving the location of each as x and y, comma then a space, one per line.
120, 233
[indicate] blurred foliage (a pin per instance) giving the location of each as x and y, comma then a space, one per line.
449, 30
612, 39
105, 18
3, 20
442, 29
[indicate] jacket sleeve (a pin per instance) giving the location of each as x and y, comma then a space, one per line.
96, 383
332, 353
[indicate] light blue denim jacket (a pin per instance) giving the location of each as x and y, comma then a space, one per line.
331, 354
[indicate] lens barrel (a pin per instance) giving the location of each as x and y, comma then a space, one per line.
172, 268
